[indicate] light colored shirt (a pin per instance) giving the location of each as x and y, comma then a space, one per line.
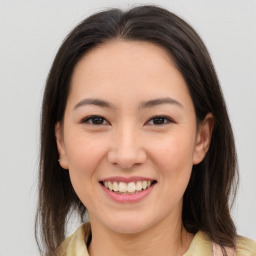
201, 245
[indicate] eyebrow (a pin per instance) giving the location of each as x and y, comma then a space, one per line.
156, 102
143, 105
96, 102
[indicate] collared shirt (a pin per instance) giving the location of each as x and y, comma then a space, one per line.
201, 245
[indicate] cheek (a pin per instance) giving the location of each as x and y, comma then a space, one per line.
84, 157
174, 157
173, 160
84, 154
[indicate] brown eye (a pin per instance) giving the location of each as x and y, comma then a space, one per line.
159, 120
95, 120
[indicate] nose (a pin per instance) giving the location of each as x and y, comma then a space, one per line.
127, 149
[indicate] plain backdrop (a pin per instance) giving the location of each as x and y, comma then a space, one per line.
30, 34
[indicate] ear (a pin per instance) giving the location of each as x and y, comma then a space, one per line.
61, 146
203, 138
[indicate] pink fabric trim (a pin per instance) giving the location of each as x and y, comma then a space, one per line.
217, 250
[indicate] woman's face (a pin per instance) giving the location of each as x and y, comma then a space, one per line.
129, 136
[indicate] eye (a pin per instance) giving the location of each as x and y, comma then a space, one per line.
95, 120
160, 120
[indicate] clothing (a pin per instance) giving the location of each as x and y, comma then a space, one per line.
75, 245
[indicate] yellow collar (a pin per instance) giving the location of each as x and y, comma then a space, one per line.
201, 245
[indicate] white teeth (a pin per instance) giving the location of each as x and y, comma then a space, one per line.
130, 188
122, 187
144, 184
115, 186
139, 186
110, 185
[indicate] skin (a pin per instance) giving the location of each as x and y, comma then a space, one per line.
128, 142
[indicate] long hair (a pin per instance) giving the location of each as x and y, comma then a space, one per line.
206, 202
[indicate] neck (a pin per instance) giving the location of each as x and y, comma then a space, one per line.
162, 240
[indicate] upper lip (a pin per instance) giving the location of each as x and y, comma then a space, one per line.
126, 179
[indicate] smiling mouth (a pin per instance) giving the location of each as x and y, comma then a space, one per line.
127, 188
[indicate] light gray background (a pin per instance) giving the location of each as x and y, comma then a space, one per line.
30, 34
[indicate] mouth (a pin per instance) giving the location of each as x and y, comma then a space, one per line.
128, 188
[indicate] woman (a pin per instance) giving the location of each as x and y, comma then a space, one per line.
136, 133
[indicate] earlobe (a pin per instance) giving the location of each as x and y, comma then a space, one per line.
60, 146
203, 139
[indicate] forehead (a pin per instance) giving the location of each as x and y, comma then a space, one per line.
130, 49
119, 54
124, 68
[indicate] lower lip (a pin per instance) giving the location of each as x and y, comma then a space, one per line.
127, 198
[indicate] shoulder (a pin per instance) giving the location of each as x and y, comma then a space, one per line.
202, 245
245, 246
76, 243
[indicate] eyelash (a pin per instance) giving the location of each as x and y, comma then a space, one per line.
89, 120
166, 119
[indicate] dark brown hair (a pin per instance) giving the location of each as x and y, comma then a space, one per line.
207, 197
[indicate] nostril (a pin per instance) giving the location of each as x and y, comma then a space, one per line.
126, 157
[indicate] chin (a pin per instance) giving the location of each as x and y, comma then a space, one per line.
128, 229
129, 225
